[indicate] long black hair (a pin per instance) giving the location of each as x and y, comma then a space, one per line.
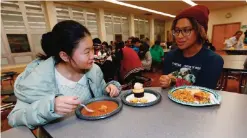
65, 37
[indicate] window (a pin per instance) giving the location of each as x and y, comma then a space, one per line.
12, 18
92, 23
159, 30
86, 17
78, 15
36, 23
141, 28
23, 24
62, 13
18, 43
116, 25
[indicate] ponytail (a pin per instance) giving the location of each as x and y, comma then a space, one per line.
46, 44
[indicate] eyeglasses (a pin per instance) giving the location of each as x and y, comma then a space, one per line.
184, 31
96, 45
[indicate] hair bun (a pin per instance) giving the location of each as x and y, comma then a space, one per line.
47, 44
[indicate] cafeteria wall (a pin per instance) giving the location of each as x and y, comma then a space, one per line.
238, 14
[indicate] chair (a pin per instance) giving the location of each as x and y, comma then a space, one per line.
7, 92
245, 89
147, 82
10, 99
243, 82
8, 76
10, 103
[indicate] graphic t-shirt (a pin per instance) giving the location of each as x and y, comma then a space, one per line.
203, 69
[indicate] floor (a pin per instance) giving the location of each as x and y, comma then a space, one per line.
231, 87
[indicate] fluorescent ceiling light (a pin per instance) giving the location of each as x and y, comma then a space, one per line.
190, 2
140, 8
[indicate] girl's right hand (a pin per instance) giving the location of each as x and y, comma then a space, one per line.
66, 104
165, 81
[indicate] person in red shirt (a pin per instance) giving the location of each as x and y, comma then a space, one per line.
130, 63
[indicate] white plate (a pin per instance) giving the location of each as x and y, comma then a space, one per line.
149, 96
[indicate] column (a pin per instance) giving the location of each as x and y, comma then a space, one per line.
28, 31
101, 25
151, 28
131, 25
50, 11
6, 45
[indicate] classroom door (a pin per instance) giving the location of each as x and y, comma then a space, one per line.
222, 32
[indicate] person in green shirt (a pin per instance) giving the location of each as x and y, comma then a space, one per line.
157, 54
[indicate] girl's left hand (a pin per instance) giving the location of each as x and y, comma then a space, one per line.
112, 90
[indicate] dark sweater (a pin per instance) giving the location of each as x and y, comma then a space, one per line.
203, 69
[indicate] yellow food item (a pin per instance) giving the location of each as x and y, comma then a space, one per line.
187, 96
143, 100
103, 108
134, 100
138, 90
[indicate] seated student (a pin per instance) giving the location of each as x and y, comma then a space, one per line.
157, 54
145, 56
117, 58
98, 49
136, 43
103, 59
107, 48
130, 63
235, 41
191, 63
57, 85
128, 43
146, 42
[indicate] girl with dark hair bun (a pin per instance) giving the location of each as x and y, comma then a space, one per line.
64, 77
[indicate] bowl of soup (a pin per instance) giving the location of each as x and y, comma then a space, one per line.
103, 107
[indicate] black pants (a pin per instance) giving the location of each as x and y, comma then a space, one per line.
109, 70
134, 77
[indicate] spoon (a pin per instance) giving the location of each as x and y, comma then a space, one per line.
89, 110
213, 99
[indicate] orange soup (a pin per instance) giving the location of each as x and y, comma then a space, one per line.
100, 108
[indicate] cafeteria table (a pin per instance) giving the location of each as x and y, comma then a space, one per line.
233, 63
236, 51
17, 132
166, 119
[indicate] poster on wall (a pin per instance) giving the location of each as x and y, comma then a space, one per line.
18, 43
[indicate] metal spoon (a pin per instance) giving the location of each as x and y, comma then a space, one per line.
89, 110
213, 99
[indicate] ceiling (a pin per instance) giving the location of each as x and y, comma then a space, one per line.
171, 7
